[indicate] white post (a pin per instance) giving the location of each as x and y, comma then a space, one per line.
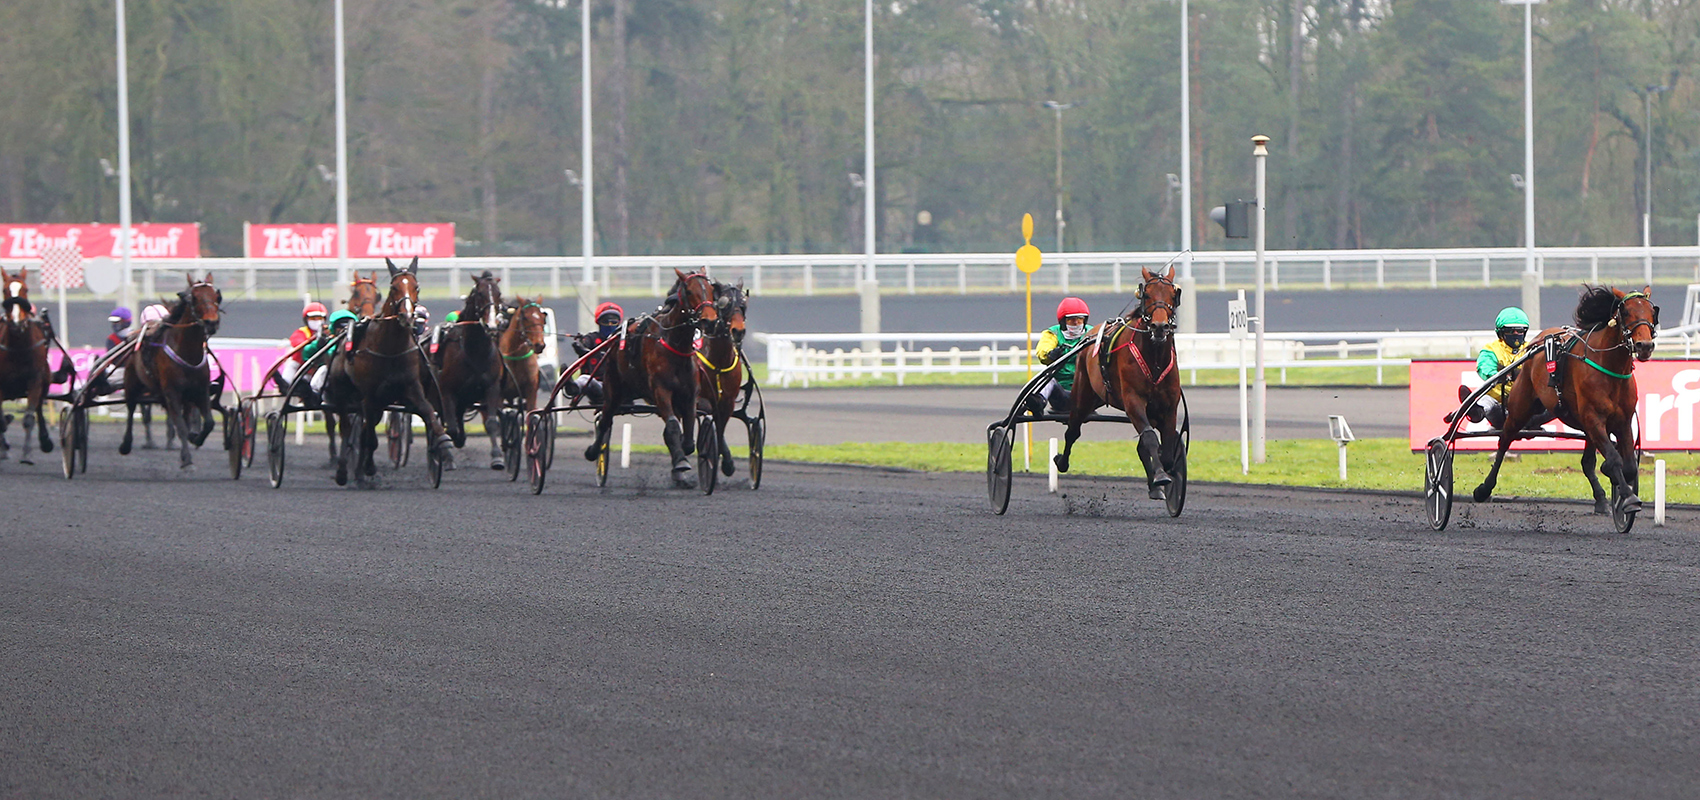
587, 289
1531, 278
64, 332
1245, 452
625, 445
1189, 298
1659, 492
1052, 461
870, 288
1259, 405
341, 156
128, 295
1342, 462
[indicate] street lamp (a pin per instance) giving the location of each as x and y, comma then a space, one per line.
1531, 281
1647, 160
128, 297
1189, 298
1061, 224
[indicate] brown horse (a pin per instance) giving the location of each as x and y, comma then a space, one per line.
524, 337
721, 367
383, 365
1131, 365
363, 295
1595, 390
470, 366
24, 338
171, 365
655, 362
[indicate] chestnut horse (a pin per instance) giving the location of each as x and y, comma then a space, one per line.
171, 365
655, 362
469, 367
24, 375
383, 365
1596, 392
522, 340
363, 300
721, 368
1131, 365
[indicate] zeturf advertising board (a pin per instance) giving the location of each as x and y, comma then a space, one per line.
365, 240
1670, 392
153, 240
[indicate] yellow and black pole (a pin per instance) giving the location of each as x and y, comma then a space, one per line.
1027, 260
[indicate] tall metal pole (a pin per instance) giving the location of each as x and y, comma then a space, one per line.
1061, 224
1189, 298
587, 289
1531, 279
1647, 161
870, 288
341, 155
128, 296
1260, 399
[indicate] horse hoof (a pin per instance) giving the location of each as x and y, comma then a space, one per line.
591, 452
186, 467
1601, 507
728, 467
1482, 494
342, 476
1631, 504
149, 446
47, 446
498, 464
124, 449
1062, 464
1159, 492
26, 461
1161, 479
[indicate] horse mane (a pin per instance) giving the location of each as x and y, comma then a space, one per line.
178, 309
1595, 305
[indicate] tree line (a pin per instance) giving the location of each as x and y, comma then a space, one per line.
735, 126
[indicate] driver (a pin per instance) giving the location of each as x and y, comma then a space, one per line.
1510, 329
588, 382
1053, 343
312, 324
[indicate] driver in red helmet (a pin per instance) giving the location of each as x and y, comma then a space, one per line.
1058, 339
589, 380
312, 323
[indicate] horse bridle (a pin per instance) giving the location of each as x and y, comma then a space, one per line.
525, 330
405, 300
188, 296
1149, 305
1630, 327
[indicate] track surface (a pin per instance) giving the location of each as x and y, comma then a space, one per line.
841, 633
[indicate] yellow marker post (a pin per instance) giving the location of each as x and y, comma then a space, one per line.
1027, 260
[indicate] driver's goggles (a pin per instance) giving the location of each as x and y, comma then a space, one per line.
609, 319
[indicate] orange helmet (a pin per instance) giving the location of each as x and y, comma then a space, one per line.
607, 307
1072, 307
314, 309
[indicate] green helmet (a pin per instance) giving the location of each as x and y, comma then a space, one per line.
1512, 317
338, 317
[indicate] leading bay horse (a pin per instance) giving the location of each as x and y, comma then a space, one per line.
24, 338
655, 362
379, 366
469, 365
171, 365
363, 300
721, 368
1595, 393
1131, 365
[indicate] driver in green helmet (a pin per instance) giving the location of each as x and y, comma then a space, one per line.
338, 321
1511, 331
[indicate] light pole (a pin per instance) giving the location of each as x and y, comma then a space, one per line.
1531, 280
1189, 298
870, 288
128, 297
341, 156
1260, 399
1061, 223
1647, 160
587, 202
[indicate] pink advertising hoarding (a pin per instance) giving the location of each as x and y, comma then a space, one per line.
247, 365
154, 240
365, 240
1670, 393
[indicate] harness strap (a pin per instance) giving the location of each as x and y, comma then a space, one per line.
172, 354
663, 342
1139, 357
1590, 362
710, 365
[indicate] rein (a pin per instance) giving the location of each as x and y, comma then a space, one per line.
1131, 345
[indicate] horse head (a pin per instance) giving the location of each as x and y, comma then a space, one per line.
532, 322
404, 291
1639, 319
1158, 299
17, 294
484, 302
693, 294
200, 304
363, 295
730, 305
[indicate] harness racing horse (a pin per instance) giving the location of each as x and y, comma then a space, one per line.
24, 338
1595, 393
470, 366
655, 362
170, 366
1131, 365
720, 373
363, 300
522, 340
380, 366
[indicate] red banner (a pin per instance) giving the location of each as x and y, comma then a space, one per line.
365, 240
1670, 391
157, 240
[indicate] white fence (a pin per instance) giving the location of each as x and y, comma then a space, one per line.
963, 272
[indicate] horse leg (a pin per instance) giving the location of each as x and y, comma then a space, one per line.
1157, 477
728, 466
440, 441
1620, 465
5, 448
129, 426
674, 434
493, 424
42, 434
330, 435
368, 433
342, 452
1084, 402
177, 419
1588, 451
1484, 492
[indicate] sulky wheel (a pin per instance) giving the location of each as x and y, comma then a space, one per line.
82, 430
233, 441
1437, 483
549, 439
277, 430
513, 443
999, 442
708, 455
602, 465
433, 462
537, 430
1621, 519
1175, 498
758, 439
398, 434
249, 425
68, 442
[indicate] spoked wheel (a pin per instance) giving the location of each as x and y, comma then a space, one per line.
708, 455
1621, 520
549, 440
999, 443
249, 427
513, 443
1437, 483
81, 428
277, 430
68, 441
758, 438
537, 431
398, 433
433, 461
233, 439
1175, 499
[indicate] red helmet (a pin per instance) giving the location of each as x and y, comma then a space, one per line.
607, 307
313, 309
1072, 307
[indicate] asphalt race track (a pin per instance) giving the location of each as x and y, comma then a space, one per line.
842, 632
